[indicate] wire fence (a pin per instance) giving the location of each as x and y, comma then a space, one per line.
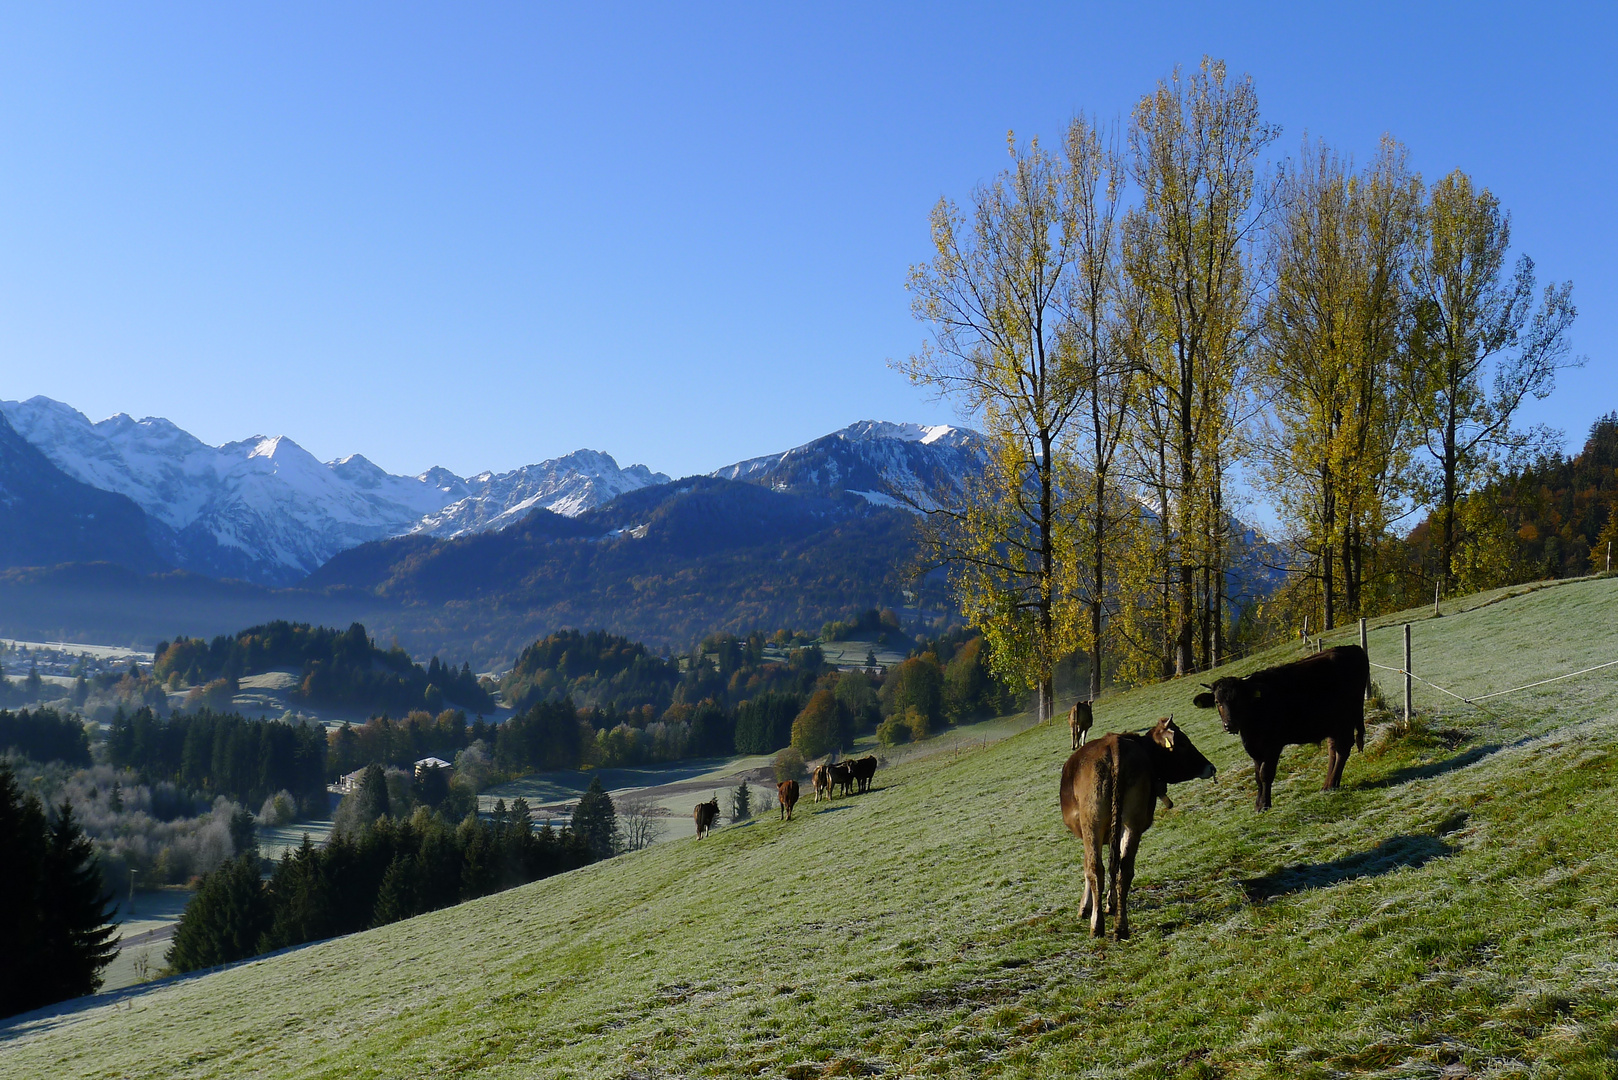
1473, 701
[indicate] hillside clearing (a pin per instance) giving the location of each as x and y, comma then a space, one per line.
1452, 911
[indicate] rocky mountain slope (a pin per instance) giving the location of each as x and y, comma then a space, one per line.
266, 510
882, 463
665, 564
48, 517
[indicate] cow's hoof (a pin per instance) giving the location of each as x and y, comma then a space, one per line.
1121, 933
1097, 932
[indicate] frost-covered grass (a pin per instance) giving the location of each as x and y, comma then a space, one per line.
1452, 911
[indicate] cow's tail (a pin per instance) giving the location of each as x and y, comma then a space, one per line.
1115, 841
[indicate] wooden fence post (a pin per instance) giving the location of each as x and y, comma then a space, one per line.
1366, 649
1408, 687
1435, 600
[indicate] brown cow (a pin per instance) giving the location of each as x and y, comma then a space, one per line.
1079, 719
864, 769
705, 814
842, 774
786, 792
1108, 801
822, 781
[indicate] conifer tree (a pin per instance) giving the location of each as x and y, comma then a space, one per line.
76, 926
225, 920
595, 820
741, 802
373, 794
23, 848
302, 899
399, 896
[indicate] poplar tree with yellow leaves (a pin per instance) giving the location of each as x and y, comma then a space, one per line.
1482, 346
1196, 144
999, 296
1334, 366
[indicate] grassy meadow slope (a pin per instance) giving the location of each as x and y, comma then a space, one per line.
1451, 912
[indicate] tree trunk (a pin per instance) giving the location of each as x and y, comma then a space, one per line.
1047, 569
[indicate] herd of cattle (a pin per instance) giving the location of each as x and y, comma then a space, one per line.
850, 777
1111, 785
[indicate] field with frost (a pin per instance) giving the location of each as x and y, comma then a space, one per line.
1450, 912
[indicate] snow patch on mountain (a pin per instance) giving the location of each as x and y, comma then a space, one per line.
567, 485
265, 509
884, 463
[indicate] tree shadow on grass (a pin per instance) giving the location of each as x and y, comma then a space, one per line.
1432, 768
1396, 852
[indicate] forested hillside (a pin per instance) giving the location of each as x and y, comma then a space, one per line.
335, 667
1553, 518
666, 565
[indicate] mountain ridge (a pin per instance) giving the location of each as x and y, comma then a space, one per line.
48, 517
264, 509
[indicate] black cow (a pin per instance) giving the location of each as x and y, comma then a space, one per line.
842, 777
705, 814
864, 769
1321, 697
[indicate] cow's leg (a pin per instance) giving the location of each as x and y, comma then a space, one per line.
1126, 875
1339, 758
1264, 769
1095, 874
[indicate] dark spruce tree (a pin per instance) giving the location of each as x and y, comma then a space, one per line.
596, 822
76, 927
59, 925
23, 845
399, 897
225, 920
302, 898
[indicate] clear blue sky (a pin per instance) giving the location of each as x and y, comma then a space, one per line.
484, 235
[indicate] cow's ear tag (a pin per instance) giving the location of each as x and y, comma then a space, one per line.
1258, 692
1168, 739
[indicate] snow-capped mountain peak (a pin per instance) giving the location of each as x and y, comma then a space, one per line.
882, 462
878, 430
567, 485
265, 509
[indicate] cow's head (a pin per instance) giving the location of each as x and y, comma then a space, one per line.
1232, 697
1179, 760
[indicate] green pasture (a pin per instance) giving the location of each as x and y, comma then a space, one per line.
1451, 912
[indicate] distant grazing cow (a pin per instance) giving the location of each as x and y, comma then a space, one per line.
822, 781
864, 769
842, 775
706, 813
786, 793
1108, 801
1079, 719
1321, 697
